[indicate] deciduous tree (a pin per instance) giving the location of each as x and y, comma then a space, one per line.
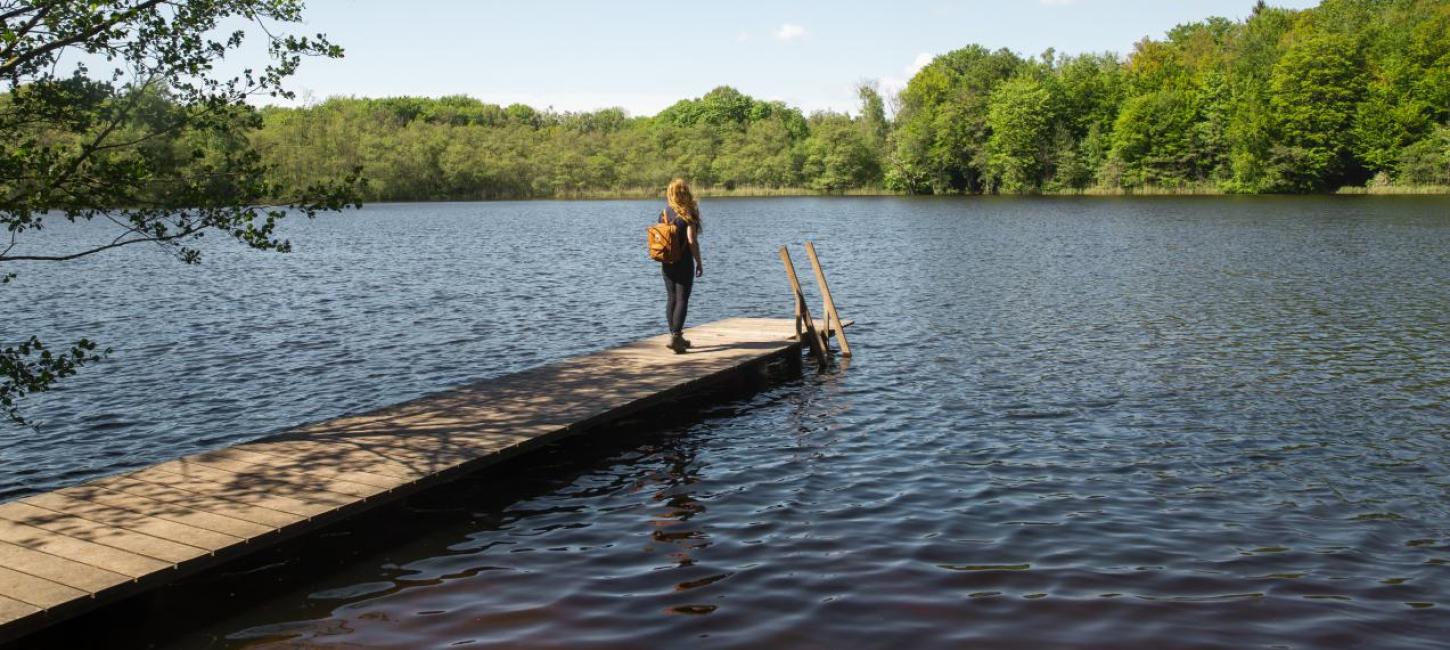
113, 112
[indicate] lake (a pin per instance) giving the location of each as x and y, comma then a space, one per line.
1099, 422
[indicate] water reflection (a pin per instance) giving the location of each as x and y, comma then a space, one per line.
1098, 423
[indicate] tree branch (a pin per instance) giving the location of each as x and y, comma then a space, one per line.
95, 144
13, 235
166, 130
25, 29
16, 13
63, 258
12, 62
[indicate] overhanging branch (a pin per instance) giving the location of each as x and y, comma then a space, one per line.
13, 61
115, 244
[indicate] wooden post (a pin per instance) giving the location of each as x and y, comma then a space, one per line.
812, 336
833, 318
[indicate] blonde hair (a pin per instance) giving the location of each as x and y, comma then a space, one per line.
678, 196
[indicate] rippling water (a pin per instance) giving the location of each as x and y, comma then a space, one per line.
1096, 423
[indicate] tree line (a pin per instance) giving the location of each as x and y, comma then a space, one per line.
460, 148
1349, 93
113, 111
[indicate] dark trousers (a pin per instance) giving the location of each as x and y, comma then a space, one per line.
679, 280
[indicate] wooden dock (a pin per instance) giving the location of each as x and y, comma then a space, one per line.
68, 551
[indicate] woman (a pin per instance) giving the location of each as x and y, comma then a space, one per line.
682, 211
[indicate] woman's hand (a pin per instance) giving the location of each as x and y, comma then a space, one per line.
699, 269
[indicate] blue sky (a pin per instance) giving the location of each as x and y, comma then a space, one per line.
643, 56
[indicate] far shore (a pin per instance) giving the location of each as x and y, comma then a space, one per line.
758, 192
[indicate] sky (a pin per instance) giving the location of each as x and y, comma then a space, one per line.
644, 56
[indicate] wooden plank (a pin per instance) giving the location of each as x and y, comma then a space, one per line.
227, 525
354, 481
829, 303
133, 521
422, 442
14, 610
253, 493
85, 529
58, 569
294, 509
404, 458
323, 490
35, 591
306, 453
320, 499
100, 556
229, 506
417, 451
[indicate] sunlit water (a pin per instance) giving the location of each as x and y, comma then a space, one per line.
1096, 423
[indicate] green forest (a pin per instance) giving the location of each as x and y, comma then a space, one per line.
1350, 93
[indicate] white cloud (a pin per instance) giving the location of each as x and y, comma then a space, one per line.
921, 60
789, 32
742, 37
894, 84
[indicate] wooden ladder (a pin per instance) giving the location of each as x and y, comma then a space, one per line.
805, 326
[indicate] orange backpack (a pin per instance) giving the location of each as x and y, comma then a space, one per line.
664, 246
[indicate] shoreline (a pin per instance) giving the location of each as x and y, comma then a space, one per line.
1395, 190
786, 192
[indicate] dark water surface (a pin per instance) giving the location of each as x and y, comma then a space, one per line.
1070, 423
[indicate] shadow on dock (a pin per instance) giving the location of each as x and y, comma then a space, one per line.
180, 611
